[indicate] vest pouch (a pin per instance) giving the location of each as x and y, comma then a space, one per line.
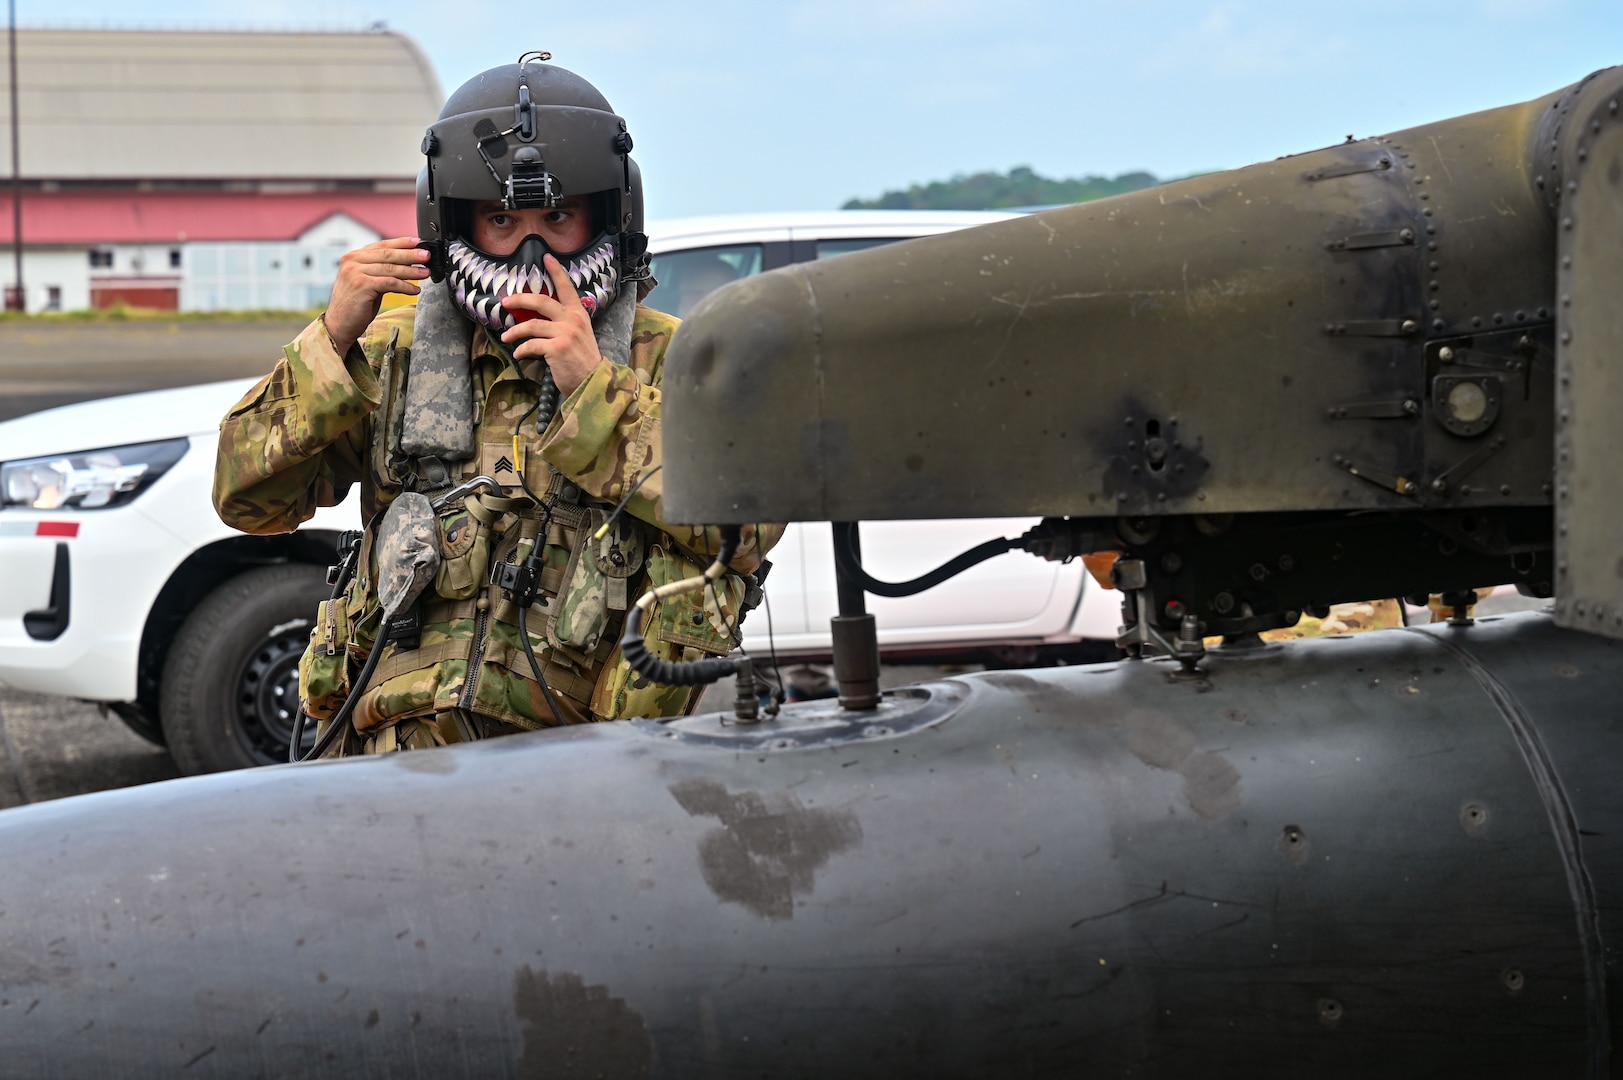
324, 667
464, 554
702, 621
580, 614
620, 555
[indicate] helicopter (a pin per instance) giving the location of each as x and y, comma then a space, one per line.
1382, 368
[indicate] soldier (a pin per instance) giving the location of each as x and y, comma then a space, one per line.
531, 363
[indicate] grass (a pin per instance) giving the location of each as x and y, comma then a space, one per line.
126, 313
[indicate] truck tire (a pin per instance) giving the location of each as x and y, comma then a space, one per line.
231, 683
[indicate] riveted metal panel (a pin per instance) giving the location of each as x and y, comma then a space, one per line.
1589, 391
1206, 347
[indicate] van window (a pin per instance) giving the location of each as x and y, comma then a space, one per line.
686, 277
827, 249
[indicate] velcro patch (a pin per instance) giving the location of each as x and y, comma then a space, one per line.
496, 461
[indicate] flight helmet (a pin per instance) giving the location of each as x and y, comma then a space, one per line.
528, 135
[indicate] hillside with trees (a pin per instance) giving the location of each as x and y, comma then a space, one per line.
1020, 186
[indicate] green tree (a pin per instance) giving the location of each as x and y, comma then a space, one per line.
1020, 186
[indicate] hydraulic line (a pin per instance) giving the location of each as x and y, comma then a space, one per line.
852, 565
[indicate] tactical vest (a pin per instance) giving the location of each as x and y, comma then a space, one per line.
432, 432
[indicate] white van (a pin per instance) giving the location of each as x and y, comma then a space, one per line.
118, 584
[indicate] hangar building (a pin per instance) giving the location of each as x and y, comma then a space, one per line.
203, 171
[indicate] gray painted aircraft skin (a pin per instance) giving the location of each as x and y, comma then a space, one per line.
1394, 852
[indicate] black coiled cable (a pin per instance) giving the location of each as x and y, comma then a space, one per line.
680, 672
668, 672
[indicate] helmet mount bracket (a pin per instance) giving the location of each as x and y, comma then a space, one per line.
529, 184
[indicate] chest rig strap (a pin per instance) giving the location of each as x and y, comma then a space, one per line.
437, 423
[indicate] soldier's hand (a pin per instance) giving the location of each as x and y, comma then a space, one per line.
558, 331
364, 276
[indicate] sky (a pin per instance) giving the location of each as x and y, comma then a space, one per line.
795, 105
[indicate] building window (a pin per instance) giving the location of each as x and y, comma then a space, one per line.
174, 258
53, 298
101, 260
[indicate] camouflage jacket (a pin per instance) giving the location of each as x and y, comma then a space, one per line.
314, 426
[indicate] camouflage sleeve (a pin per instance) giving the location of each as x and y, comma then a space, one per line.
606, 437
297, 440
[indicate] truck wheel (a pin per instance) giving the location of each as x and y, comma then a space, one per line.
230, 690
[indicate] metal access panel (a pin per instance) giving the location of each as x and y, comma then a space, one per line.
1363, 328
1589, 368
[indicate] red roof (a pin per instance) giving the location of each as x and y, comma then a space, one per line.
167, 217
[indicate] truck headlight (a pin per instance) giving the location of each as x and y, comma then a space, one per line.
89, 480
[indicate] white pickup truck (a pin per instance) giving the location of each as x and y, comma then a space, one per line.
119, 585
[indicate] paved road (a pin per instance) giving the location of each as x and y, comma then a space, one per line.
54, 747
45, 363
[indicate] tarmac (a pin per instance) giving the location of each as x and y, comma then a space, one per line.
48, 362
55, 747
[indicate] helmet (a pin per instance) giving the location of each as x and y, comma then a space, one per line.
527, 135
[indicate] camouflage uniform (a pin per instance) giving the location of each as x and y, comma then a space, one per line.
1350, 618
315, 424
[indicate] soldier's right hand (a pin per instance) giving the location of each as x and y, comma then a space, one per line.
364, 276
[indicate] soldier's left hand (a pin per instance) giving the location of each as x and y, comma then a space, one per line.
559, 331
